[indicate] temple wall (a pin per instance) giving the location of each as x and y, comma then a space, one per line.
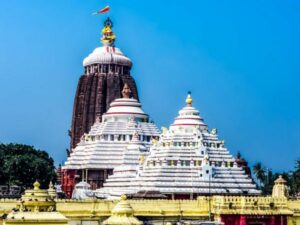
294, 205
6, 205
93, 212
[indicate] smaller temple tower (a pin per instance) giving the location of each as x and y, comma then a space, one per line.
280, 189
122, 213
102, 148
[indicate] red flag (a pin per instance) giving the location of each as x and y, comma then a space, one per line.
104, 10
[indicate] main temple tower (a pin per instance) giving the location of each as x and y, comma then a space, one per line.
106, 70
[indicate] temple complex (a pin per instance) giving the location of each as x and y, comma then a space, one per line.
117, 154
106, 70
186, 162
102, 149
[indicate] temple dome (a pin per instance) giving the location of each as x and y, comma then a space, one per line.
189, 116
107, 55
125, 107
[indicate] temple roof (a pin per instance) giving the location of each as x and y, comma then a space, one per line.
125, 107
125, 123
107, 55
186, 159
189, 116
280, 180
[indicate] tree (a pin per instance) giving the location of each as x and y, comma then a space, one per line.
22, 164
295, 179
266, 178
260, 173
238, 155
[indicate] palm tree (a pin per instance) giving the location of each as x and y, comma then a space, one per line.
260, 173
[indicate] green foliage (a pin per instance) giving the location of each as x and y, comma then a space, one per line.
265, 179
295, 179
22, 164
260, 174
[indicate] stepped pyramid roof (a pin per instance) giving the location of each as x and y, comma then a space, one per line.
103, 146
187, 159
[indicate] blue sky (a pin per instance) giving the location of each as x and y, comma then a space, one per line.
240, 59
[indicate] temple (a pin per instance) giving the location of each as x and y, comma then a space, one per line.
183, 175
106, 70
102, 149
186, 162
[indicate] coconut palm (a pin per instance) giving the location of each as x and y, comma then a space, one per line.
260, 173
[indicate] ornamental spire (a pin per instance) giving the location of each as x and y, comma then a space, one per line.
108, 37
189, 99
36, 185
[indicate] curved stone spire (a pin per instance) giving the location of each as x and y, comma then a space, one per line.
107, 70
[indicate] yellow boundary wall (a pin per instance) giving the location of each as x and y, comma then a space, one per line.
95, 209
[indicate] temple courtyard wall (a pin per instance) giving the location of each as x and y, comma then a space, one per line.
228, 209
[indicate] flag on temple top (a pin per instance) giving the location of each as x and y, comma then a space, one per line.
104, 10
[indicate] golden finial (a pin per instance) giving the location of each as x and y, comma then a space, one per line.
108, 38
126, 92
123, 197
36, 185
189, 99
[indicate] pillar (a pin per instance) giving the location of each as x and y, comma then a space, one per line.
86, 175
105, 175
273, 220
243, 220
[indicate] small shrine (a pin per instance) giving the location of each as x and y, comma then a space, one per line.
280, 189
122, 214
37, 206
